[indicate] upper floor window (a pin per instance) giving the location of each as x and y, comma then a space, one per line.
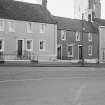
42, 45
94, 7
77, 36
90, 36
29, 45
42, 28
63, 35
29, 27
89, 18
1, 25
11, 25
70, 50
90, 50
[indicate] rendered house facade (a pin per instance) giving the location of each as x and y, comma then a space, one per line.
27, 32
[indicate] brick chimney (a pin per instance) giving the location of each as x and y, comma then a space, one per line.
44, 3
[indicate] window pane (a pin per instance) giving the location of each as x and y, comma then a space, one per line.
28, 45
41, 45
90, 36
42, 28
70, 50
0, 44
11, 26
1, 25
90, 50
77, 36
63, 35
29, 27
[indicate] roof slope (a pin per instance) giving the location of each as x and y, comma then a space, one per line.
74, 24
10, 9
99, 22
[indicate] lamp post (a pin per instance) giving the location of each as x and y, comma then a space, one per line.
82, 63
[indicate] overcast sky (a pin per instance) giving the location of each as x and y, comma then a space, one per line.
64, 8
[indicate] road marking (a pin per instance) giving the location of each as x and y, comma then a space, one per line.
79, 93
40, 79
51, 69
22, 80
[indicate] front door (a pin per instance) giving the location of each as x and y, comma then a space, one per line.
20, 48
59, 53
80, 52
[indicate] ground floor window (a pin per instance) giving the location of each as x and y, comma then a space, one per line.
103, 54
29, 45
1, 45
90, 50
1, 48
42, 45
70, 50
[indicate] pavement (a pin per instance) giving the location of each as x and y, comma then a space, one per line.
52, 64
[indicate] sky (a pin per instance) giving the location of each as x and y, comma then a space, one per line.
64, 8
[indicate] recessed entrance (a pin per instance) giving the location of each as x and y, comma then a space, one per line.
59, 52
20, 48
80, 52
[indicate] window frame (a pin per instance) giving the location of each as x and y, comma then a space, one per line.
68, 54
90, 46
44, 29
94, 7
63, 32
11, 26
77, 33
90, 37
31, 45
1, 50
28, 28
3, 23
44, 46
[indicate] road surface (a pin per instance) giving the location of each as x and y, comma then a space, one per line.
52, 86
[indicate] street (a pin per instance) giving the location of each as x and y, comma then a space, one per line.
52, 86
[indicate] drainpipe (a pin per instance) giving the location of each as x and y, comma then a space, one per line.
98, 47
82, 63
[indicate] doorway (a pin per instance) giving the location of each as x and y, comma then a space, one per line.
59, 52
80, 52
20, 48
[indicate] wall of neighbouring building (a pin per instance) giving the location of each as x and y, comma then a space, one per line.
102, 44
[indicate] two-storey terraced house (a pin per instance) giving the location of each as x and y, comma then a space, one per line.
77, 39
27, 31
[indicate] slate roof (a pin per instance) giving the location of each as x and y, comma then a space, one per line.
99, 22
16, 10
75, 24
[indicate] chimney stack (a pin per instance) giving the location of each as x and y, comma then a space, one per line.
44, 3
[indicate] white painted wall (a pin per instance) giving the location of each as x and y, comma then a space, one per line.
101, 44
